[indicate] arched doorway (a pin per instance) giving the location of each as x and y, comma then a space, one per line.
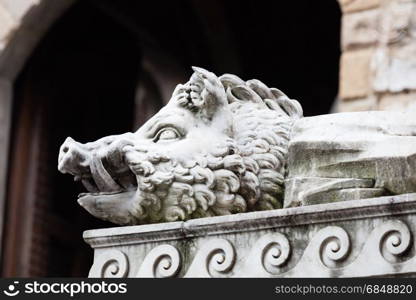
81, 83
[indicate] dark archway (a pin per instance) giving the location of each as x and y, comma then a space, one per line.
81, 82
291, 45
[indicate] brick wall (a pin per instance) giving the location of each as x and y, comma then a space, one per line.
378, 63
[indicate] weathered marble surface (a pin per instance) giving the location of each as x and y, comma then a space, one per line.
349, 156
371, 237
223, 146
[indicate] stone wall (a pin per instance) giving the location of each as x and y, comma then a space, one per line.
378, 64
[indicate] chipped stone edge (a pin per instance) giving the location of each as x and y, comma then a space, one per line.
252, 221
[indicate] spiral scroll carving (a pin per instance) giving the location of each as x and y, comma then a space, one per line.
221, 259
215, 257
334, 245
110, 264
274, 251
161, 262
394, 239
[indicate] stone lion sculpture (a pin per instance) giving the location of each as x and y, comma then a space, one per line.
223, 145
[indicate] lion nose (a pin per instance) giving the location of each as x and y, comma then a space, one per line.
73, 157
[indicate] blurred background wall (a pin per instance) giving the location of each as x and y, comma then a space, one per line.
378, 63
91, 68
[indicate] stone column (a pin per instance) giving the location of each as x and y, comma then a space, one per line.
378, 63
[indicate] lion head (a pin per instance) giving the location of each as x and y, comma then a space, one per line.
218, 147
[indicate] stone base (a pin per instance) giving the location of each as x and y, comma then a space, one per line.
372, 237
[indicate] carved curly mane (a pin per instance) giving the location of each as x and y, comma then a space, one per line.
263, 119
241, 169
245, 173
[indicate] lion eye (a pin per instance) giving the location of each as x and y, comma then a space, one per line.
166, 135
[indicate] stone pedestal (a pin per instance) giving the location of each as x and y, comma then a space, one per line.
372, 237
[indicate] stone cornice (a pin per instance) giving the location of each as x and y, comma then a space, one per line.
314, 214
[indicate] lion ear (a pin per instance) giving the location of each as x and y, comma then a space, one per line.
212, 96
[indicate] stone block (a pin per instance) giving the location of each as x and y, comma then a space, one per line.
360, 29
398, 102
365, 104
348, 6
395, 69
398, 19
332, 157
355, 74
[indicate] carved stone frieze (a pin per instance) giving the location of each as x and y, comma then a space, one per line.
336, 243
